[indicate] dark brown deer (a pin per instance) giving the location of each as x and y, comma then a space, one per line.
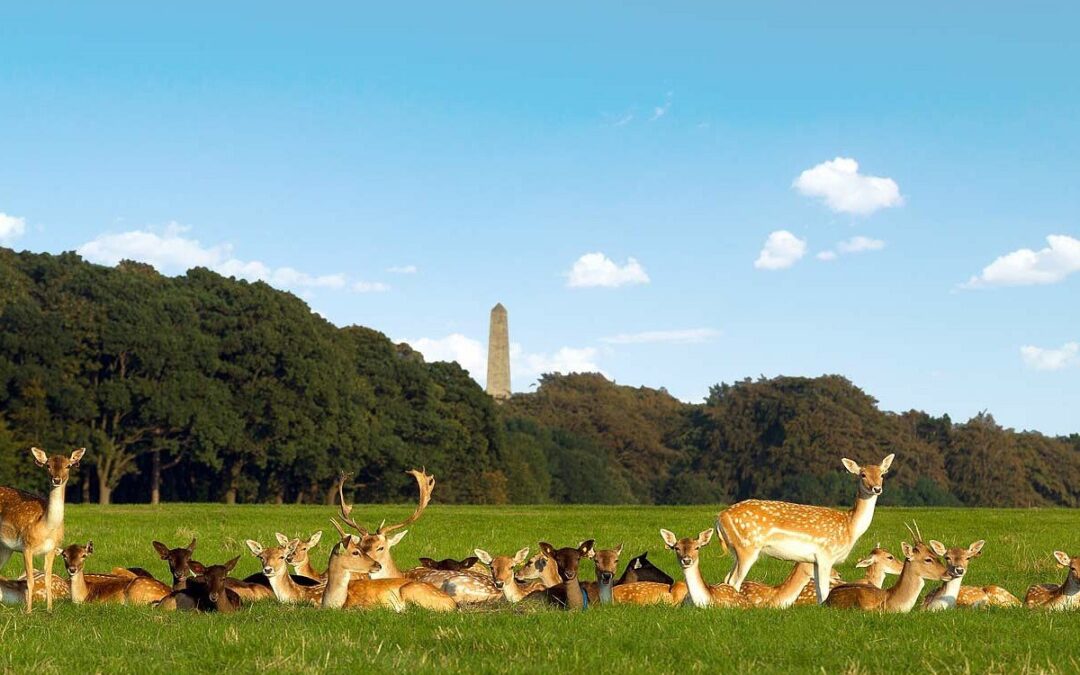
206, 591
182, 567
451, 565
568, 594
641, 569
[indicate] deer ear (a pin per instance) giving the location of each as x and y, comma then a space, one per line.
281, 539
704, 537
483, 555
669, 538
315, 539
191, 546
906, 548
76, 456
393, 541
90, 547
851, 466
618, 550
1062, 558
469, 562
586, 548
975, 550
255, 547
427, 562
59, 552
521, 556
547, 549
39, 456
162, 549
231, 564
197, 567
637, 564
937, 547
865, 562
887, 462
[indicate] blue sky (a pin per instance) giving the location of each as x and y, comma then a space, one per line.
648, 189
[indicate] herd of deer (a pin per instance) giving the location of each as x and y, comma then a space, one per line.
361, 571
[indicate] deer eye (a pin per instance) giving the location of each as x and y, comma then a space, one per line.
356, 552
929, 560
379, 549
862, 474
891, 558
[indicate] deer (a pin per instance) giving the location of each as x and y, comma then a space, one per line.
540, 569
347, 560
568, 594
687, 554
299, 559
953, 594
276, 568
783, 595
800, 533
13, 591
450, 565
878, 564
464, 587
641, 569
1057, 597
808, 595
106, 588
921, 563
205, 592
502, 573
606, 562
182, 567
605, 590
35, 525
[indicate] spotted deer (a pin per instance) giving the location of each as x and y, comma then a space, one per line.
207, 591
465, 587
299, 559
276, 568
687, 554
1054, 596
808, 595
921, 563
349, 582
106, 588
877, 565
783, 595
502, 573
35, 525
13, 591
800, 533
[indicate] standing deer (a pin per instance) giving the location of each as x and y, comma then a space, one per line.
502, 573
1053, 596
921, 562
464, 587
34, 525
126, 590
688, 555
300, 559
799, 533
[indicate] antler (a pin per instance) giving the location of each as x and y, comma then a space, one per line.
915, 534
346, 509
426, 483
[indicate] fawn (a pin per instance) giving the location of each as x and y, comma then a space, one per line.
205, 592
126, 590
687, 554
1053, 596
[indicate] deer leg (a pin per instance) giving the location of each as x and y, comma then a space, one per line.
745, 560
5, 554
48, 578
822, 578
28, 563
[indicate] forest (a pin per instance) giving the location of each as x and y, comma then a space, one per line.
205, 388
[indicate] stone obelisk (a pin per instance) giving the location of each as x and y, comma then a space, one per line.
498, 372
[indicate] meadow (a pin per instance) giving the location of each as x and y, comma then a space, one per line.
273, 638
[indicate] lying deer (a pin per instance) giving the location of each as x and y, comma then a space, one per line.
502, 573
641, 569
687, 554
205, 592
464, 586
783, 595
957, 561
540, 569
125, 590
13, 591
182, 567
450, 565
921, 562
1053, 596
275, 567
606, 562
35, 525
348, 582
568, 594
299, 559
878, 564
800, 533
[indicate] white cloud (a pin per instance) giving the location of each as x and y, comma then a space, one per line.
661, 110
171, 252
860, 245
1025, 267
596, 269
1051, 359
469, 353
370, 287
11, 228
402, 269
624, 119
827, 256
782, 249
565, 360
843, 189
685, 336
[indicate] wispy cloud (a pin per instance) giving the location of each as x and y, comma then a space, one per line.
1025, 267
1040, 358
369, 287
782, 250
683, 336
839, 184
662, 109
11, 228
402, 269
597, 270
852, 246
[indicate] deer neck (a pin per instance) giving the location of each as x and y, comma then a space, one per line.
284, 587
221, 603
512, 591
697, 589
875, 575
574, 594
905, 592
605, 591
861, 516
1070, 589
305, 569
78, 588
949, 590
54, 512
337, 584
788, 591
389, 569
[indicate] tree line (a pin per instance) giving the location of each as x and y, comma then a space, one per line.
206, 388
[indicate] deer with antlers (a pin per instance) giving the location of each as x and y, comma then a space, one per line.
463, 586
688, 555
1054, 596
921, 563
35, 525
800, 533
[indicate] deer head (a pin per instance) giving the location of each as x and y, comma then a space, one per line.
75, 556
213, 577
179, 559
871, 477
923, 558
881, 559
502, 566
688, 549
607, 563
274, 559
377, 543
300, 547
348, 555
58, 466
1073, 565
568, 559
449, 564
958, 558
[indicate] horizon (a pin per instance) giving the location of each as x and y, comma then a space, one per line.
671, 200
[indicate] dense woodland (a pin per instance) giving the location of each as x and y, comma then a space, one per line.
204, 388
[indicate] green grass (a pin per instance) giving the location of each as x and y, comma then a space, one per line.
270, 637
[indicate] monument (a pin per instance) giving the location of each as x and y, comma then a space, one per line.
498, 369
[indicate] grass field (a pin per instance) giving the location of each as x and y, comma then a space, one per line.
270, 637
